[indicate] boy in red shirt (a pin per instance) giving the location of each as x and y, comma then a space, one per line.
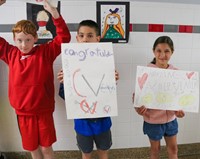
2, 156
31, 87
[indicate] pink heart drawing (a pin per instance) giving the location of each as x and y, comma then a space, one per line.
107, 109
189, 75
142, 80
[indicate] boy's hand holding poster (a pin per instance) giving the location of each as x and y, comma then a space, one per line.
89, 80
167, 89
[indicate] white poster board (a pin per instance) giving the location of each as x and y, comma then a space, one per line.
89, 80
167, 89
53, 3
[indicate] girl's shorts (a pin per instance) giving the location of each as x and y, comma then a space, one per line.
157, 131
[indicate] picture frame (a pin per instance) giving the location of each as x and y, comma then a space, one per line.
43, 20
113, 20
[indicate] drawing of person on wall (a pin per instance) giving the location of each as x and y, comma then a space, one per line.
113, 28
42, 19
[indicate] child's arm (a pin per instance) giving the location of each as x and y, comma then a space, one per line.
52, 10
2, 2
53, 48
61, 89
5, 49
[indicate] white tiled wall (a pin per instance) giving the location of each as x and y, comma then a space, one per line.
127, 127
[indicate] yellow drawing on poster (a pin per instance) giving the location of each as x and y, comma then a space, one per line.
163, 98
148, 98
186, 100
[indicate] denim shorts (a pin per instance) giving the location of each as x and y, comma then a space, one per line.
157, 131
103, 141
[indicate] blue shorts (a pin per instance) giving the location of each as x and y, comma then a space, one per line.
103, 141
157, 131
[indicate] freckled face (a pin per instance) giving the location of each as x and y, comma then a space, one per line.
162, 54
24, 42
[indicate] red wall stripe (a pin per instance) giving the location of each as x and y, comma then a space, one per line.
156, 27
130, 27
185, 29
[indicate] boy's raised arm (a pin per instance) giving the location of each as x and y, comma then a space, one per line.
2, 2
52, 10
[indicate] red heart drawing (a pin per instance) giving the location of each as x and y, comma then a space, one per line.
189, 75
142, 80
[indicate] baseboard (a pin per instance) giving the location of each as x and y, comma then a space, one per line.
130, 153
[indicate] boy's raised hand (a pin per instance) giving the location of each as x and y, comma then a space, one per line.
52, 10
2, 2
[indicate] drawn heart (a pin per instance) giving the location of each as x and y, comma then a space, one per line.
189, 75
107, 109
142, 80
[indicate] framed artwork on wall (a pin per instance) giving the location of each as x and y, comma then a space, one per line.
53, 3
45, 28
113, 20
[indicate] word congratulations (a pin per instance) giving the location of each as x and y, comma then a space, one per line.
83, 54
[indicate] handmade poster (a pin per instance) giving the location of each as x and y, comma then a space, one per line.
53, 3
167, 89
89, 80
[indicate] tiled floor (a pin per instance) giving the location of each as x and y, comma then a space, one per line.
9, 156
187, 151
190, 157
63, 157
